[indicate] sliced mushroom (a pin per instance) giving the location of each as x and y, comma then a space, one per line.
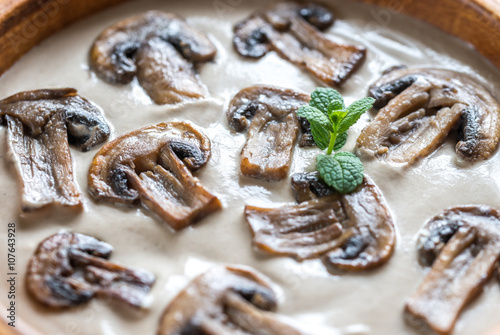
225, 300
152, 166
69, 269
269, 114
309, 186
165, 75
463, 246
352, 232
292, 29
160, 48
40, 126
420, 107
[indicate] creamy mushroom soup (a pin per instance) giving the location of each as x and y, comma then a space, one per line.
308, 295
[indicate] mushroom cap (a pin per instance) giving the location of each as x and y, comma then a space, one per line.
293, 30
112, 53
276, 100
463, 246
139, 150
153, 166
85, 122
40, 126
308, 186
69, 269
352, 232
421, 106
224, 300
250, 38
441, 228
269, 114
160, 48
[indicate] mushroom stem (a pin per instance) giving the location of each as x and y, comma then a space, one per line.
135, 284
225, 301
421, 107
411, 99
457, 276
293, 30
165, 75
431, 133
353, 232
330, 62
304, 231
160, 48
269, 114
153, 166
466, 241
187, 199
44, 162
255, 321
40, 127
69, 269
268, 151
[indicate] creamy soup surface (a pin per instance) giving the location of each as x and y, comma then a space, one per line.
367, 303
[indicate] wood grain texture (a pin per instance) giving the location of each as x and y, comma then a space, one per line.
474, 21
25, 23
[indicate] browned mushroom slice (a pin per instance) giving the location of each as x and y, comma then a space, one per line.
165, 75
69, 269
420, 107
351, 232
269, 114
160, 48
225, 300
40, 126
309, 186
463, 246
153, 166
291, 29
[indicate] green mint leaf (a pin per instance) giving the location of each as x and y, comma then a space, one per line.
321, 135
337, 117
320, 125
354, 112
326, 100
343, 171
340, 141
311, 113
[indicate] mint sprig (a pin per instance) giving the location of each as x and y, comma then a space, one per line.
342, 171
330, 120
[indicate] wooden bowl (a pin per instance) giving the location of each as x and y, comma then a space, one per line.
25, 23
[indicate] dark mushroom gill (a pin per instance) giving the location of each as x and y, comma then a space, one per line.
462, 245
40, 127
160, 48
225, 300
293, 30
153, 166
419, 109
269, 115
69, 269
352, 232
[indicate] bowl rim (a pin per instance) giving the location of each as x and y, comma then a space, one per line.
28, 22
